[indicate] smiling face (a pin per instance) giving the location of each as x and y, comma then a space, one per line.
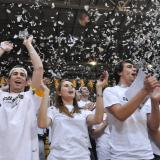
17, 80
67, 91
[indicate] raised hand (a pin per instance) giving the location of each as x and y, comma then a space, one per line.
90, 106
150, 83
6, 46
103, 81
28, 41
44, 87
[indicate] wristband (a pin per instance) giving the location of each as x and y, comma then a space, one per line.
99, 95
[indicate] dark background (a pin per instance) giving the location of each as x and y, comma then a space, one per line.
117, 30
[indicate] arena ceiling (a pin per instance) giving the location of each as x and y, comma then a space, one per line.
116, 30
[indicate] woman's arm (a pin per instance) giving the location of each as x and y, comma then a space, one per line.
43, 120
98, 116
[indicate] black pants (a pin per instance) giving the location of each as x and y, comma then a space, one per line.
156, 157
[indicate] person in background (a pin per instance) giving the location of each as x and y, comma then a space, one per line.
101, 134
78, 95
128, 121
84, 101
19, 109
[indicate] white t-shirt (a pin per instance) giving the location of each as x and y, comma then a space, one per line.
18, 126
82, 103
128, 139
102, 143
70, 139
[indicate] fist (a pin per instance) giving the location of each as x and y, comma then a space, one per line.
6, 46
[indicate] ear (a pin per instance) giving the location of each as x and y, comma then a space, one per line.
26, 83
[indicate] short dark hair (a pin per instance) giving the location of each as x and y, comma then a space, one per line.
119, 68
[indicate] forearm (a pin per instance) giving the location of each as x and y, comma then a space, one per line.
37, 65
99, 131
125, 111
42, 114
99, 106
154, 117
35, 58
155, 135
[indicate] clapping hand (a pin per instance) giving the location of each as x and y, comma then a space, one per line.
103, 81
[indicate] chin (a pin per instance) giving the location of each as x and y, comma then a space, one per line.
19, 89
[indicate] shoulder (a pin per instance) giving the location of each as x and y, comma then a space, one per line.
111, 89
52, 108
86, 112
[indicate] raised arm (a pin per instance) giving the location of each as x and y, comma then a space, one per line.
98, 116
36, 62
43, 120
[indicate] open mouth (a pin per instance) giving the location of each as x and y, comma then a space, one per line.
17, 82
134, 74
70, 92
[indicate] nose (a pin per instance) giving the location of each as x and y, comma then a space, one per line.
19, 75
134, 69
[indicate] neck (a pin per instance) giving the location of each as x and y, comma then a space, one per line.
16, 90
84, 98
65, 102
123, 85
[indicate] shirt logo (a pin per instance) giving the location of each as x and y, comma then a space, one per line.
14, 101
125, 99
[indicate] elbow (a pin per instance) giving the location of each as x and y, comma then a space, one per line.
153, 128
42, 124
99, 120
121, 118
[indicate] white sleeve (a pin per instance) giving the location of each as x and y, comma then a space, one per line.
52, 112
110, 97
